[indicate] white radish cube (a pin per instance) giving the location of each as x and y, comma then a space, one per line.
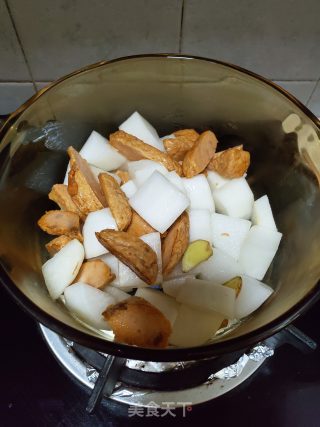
176, 272
194, 326
60, 270
159, 202
262, 213
219, 268
234, 199
204, 294
113, 263
228, 233
164, 303
138, 165
200, 225
66, 177
258, 251
117, 293
128, 278
96, 171
96, 221
88, 303
98, 152
129, 188
172, 286
154, 241
199, 192
253, 294
215, 180
167, 137
139, 127
141, 176
175, 179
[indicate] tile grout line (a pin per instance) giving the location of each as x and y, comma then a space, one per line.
181, 26
312, 92
20, 44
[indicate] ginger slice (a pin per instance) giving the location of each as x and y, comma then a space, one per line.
123, 175
60, 195
138, 226
197, 159
135, 321
95, 273
230, 163
175, 243
57, 243
83, 187
116, 200
197, 252
59, 223
134, 149
184, 140
133, 252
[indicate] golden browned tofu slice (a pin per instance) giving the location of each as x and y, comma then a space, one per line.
132, 251
135, 149
83, 187
184, 140
60, 195
230, 163
123, 175
57, 243
60, 223
175, 243
137, 322
197, 159
138, 226
117, 200
95, 273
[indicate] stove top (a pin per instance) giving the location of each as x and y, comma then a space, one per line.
36, 391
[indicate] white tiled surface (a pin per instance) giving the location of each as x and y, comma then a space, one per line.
12, 95
301, 90
63, 35
314, 103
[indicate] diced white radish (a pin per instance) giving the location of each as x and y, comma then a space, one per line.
113, 263
159, 202
98, 152
154, 241
129, 188
167, 137
228, 233
60, 270
96, 171
204, 294
175, 179
253, 294
141, 176
96, 221
172, 286
128, 279
258, 251
65, 181
200, 225
234, 199
215, 180
176, 272
262, 213
138, 165
194, 326
164, 303
291, 123
139, 127
117, 293
219, 268
199, 193
88, 303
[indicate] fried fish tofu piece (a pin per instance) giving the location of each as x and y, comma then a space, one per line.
95, 273
135, 321
138, 226
60, 195
117, 200
196, 160
184, 140
60, 223
133, 252
134, 149
57, 243
83, 187
230, 163
175, 243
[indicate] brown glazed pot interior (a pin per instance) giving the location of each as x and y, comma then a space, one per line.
172, 92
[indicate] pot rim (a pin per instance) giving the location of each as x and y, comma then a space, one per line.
168, 354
